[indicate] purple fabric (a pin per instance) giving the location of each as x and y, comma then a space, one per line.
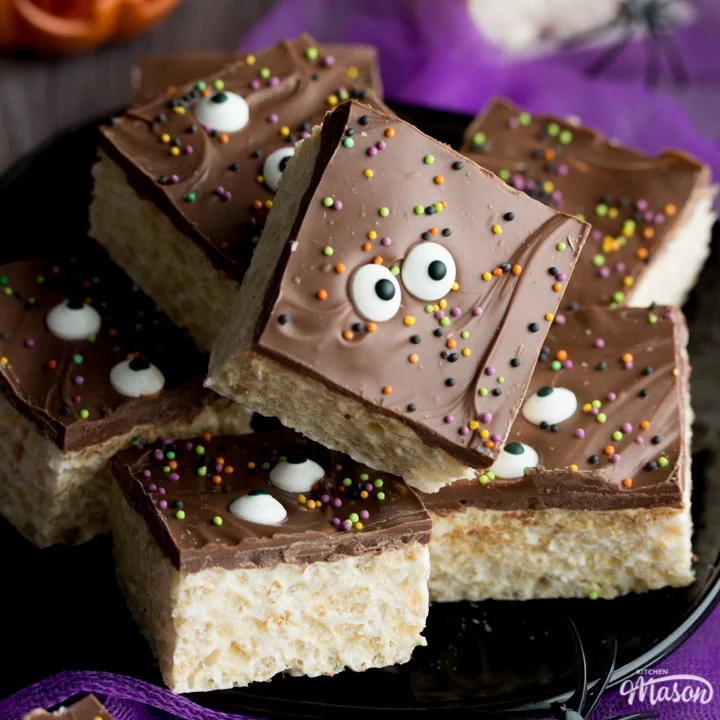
432, 55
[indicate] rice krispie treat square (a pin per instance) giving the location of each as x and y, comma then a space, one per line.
247, 556
185, 183
87, 366
87, 708
651, 216
398, 302
591, 496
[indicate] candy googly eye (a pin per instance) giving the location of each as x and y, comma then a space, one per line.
73, 320
550, 405
428, 271
258, 506
223, 111
274, 166
297, 474
375, 293
136, 378
513, 459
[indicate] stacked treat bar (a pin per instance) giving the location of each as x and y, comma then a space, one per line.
479, 399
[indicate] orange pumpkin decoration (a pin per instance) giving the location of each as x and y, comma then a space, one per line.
68, 26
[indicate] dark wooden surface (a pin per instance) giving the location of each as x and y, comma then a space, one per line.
41, 97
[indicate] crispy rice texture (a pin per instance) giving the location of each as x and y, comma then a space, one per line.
221, 628
53, 497
274, 390
164, 262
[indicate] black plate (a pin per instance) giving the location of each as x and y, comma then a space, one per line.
65, 612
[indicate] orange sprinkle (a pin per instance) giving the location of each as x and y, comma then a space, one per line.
627, 357
217, 479
378, 260
549, 154
219, 460
413, 358
366, 247
627, 482
433, 231
206, 92
257, 204
557, 287
371, 327
387, 390
497, 272
644, 425
348, 335
51, 364
648, 233
609, 450
516, 269
223, 138
229, 469
670, 209
438, 179
172, 465
206, 436
339, 268
642, 253
112, 332
450, 344
489, 444
561, 355
443, 203
321, 294
390, 132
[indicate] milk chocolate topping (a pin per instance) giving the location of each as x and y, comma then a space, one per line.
635, 203
213, 188
185, 490
392, 216
89, 708
64, 386
628, 371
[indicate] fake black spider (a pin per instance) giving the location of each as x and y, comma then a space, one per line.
656, 18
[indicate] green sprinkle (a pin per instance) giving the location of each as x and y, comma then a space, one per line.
500, 379
347, 482
419, 210
348, 142
601, 418
265, 466
217, 520
553, 129
383, 212
429, 159
353, 517
84, 414
282, 458
218, 84
598, 260
166, 469
327, 201
311, 53
40, 279
378, 483
617, 435
170, 455
618, 296
483, 479
327, 250
630, 224
490, 474
428, 308
524, 118
652, 319
200, 85
200, 449
395, 270
202, 471
264, 73
593, 595
560, 246
380, 495
444, 322
8, 291
438, 207
191, 197
464, 334
479, 138
621, 240
663, 461
580, 216
482, 392
601, 209
256, 239
565, 137
344, 94
364, 476
596, 404
556, 365
180, 514
504, 175
4, 280
77, 359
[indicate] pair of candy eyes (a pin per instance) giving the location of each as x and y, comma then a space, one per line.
131, 378
427, 273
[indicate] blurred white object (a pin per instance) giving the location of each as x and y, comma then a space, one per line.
531, 26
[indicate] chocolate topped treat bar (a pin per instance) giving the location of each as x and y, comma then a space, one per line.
88, 708
87, 364
228, 547
185, 182
651, 216
398, 300
598, 462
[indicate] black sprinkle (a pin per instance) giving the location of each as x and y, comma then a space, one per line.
177, 504
554, 428
515, 362
437, 332
364, 120
574, 305
415, 339
176, 142
106, 411
509, 216
163, 180
537, 154
533, 327
315, 76
291, 138
643, 393
214, 133
447, 232
624, 201
553, 271
444, 354
602, 365
656, 439
458, 165
651, 465
544, 425
283, 319
349, 132
257, 153
160, 118
226, 488
607, 199
506, 267
647, 370
426, 236
65, 410
412, 407
357, 327
430, 210
137, 364
497, 392
234, 167
450, 382
453, 357
3, 336
593, 459
305, 127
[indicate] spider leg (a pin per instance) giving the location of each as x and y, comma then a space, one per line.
652, 45
609, 57
675, 61
591, 34
636, 716
598, 690
577, 699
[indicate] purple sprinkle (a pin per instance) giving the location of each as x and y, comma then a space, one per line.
568, 364
346, 525
305, 134
335, 522
639, 440
341, 90
255, 84
188, 445
530, 184
328, 61
626, 427
495, 438
594, 411
628, 365
580, 433
561, 277
274, 81
456, 312
146, 473
380, 145
620, 267
159, 455
78, 379
227, 195
449, 419
372, 152
77, 399
477, 311
218, 468
206, 128
338, 468
659, 219
161, 490
369, 487
611, 396
337, 205
563, 169
188, 149
518, 181
386, 241
557, 195
560, 319
152, 487
641, 205
364, 514
219, 190
604, 272
162, 504
614, 458
596, 235
649, 216
486, 418
599, 343
337, 502
140, 447
668, 315
272, 118
174, 476
174, 179
29, 343
513, 123
463, 430
489, 370
439, 314
167, 441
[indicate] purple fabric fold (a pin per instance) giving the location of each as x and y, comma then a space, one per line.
431, 54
